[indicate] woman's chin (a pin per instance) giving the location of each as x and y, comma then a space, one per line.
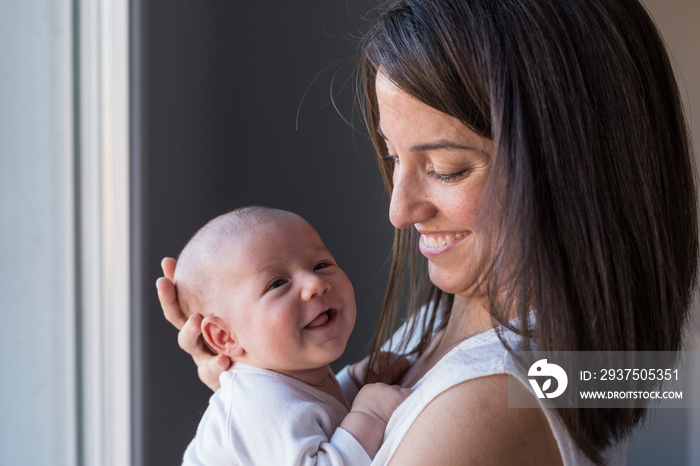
450, 282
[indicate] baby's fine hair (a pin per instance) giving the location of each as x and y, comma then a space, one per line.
201, 255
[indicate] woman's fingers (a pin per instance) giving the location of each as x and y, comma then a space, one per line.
210, 370
209, 365
223, 363
399, 366
190, 341
168, 266
358, 371
168, 295
168, 301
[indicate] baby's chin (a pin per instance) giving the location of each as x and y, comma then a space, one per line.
332, 354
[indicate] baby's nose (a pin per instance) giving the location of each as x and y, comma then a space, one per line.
313, 287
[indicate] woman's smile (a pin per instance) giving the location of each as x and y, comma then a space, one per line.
435, 243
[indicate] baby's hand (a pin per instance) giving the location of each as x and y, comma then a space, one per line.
370, 412
379, 400
397, 365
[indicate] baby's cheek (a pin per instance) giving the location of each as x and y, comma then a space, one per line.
280, 334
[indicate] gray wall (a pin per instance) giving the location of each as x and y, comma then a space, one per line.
236, 109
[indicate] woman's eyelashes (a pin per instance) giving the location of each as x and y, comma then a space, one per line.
391, 159
445, 177
448, 177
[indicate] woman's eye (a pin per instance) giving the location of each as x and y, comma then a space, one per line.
447, 177
391, 159
276, 284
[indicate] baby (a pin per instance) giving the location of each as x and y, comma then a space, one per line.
275, 302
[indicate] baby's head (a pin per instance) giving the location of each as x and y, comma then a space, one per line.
270, 292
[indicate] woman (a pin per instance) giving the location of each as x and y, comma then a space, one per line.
537, 157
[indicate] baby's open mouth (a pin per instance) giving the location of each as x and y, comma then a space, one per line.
322, 319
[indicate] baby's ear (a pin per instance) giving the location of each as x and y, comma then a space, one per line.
217, 335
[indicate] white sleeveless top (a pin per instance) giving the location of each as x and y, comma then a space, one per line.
479, 356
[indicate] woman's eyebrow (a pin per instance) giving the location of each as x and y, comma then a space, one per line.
440, 144
436, 145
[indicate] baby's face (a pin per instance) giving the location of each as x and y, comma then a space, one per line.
288, 304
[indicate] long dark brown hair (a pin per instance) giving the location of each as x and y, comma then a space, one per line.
592, 194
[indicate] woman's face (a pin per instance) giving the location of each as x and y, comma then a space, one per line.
440, 172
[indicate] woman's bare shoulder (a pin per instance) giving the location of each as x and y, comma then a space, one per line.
471, 423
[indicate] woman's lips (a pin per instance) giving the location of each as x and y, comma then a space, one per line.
432, 244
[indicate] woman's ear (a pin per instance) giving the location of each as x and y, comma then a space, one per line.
216, 333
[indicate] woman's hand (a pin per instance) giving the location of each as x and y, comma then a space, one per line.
398, 365
209, 364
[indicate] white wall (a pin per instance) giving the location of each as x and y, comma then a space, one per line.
37, 301
64, 228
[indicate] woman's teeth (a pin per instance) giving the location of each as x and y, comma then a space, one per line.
439, 241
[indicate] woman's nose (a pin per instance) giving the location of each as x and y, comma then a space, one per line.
313, 286
409, 204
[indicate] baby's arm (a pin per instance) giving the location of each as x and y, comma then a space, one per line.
370, 413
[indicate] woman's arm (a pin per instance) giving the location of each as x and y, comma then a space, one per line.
209, 364
471, 423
